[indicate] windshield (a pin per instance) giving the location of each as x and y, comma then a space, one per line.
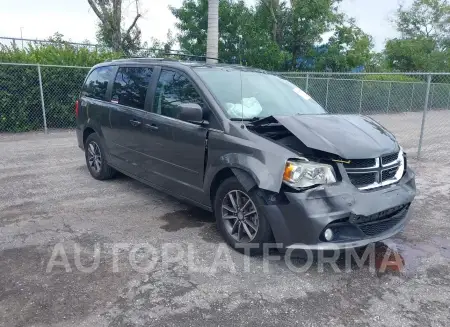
258, 95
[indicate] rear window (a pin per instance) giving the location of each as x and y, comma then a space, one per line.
97, 83
130, 86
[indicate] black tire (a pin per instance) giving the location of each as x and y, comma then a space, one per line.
100, 170
263, 233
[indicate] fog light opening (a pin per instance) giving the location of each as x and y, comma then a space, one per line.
328, 234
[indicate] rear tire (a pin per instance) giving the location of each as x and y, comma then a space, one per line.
95, 159
238, 218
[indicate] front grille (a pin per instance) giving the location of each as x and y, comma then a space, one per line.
389, 173
371, 225
368, 174
389, 158
382, 225
360, 163
362, 179
385, 214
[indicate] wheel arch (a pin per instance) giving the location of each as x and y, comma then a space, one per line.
91, 128
87, 131
244, 177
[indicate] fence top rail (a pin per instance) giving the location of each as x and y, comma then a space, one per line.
45, 41
42, 65
363, 73
366, 80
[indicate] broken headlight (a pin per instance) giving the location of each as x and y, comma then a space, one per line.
305, 174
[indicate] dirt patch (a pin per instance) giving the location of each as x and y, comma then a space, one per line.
190, 218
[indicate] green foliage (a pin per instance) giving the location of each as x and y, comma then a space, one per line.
20, 100
111, 31
20, 108
393, 77
303, 24
425, 37
60, 53
272, 35
348, 48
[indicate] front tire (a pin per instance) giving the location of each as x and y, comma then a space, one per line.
95, 159
238, 219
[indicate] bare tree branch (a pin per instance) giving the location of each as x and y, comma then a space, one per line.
109, 13
97, 11
136, 36
102, 4
133, 24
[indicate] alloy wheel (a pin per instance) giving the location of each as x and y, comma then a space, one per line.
94, 157
240, 216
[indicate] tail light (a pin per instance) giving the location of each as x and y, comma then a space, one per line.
76, 109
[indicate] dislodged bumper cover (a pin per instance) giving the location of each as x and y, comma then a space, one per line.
302, 220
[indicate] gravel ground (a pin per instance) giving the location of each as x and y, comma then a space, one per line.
49, 205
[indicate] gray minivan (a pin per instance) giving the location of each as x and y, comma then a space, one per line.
253, 148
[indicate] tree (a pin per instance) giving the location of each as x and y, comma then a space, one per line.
429, 19
273, 34
424, 44
111, 31
212, 41
274, 8
348, 48
307, 21
193, 25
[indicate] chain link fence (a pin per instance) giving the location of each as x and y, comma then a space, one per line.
415, 107
38, 97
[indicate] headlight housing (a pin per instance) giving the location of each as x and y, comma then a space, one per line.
299, 174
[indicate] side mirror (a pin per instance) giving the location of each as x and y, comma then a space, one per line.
191, 112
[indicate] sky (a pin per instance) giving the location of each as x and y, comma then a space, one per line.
39, 19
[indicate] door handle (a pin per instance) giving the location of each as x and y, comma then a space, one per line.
135, 122
152, 127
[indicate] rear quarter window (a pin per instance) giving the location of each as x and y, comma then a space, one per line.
97, 83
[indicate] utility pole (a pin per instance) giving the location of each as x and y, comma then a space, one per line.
21, 35
212, 41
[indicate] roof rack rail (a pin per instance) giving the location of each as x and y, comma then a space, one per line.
190, 57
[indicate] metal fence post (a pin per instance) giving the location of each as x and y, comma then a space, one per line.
42, 98
425, 109
448, 101
389, 97
412, 96
307, 82
361, 96
430, 102
326, 96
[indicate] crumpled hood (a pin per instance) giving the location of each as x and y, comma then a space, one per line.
348, 136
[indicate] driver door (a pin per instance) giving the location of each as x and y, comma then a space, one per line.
177, 147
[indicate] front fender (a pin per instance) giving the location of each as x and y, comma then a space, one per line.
264, 165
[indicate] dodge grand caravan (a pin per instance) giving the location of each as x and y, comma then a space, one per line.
268, 161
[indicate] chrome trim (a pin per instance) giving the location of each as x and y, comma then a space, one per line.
392, 163
401, 169
355, 170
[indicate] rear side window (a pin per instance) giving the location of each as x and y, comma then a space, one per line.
97, 83
130, 86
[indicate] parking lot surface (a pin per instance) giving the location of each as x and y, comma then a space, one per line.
50, 205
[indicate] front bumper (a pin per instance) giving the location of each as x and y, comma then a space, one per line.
357, 217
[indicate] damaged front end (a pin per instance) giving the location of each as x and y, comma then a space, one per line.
366, 198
